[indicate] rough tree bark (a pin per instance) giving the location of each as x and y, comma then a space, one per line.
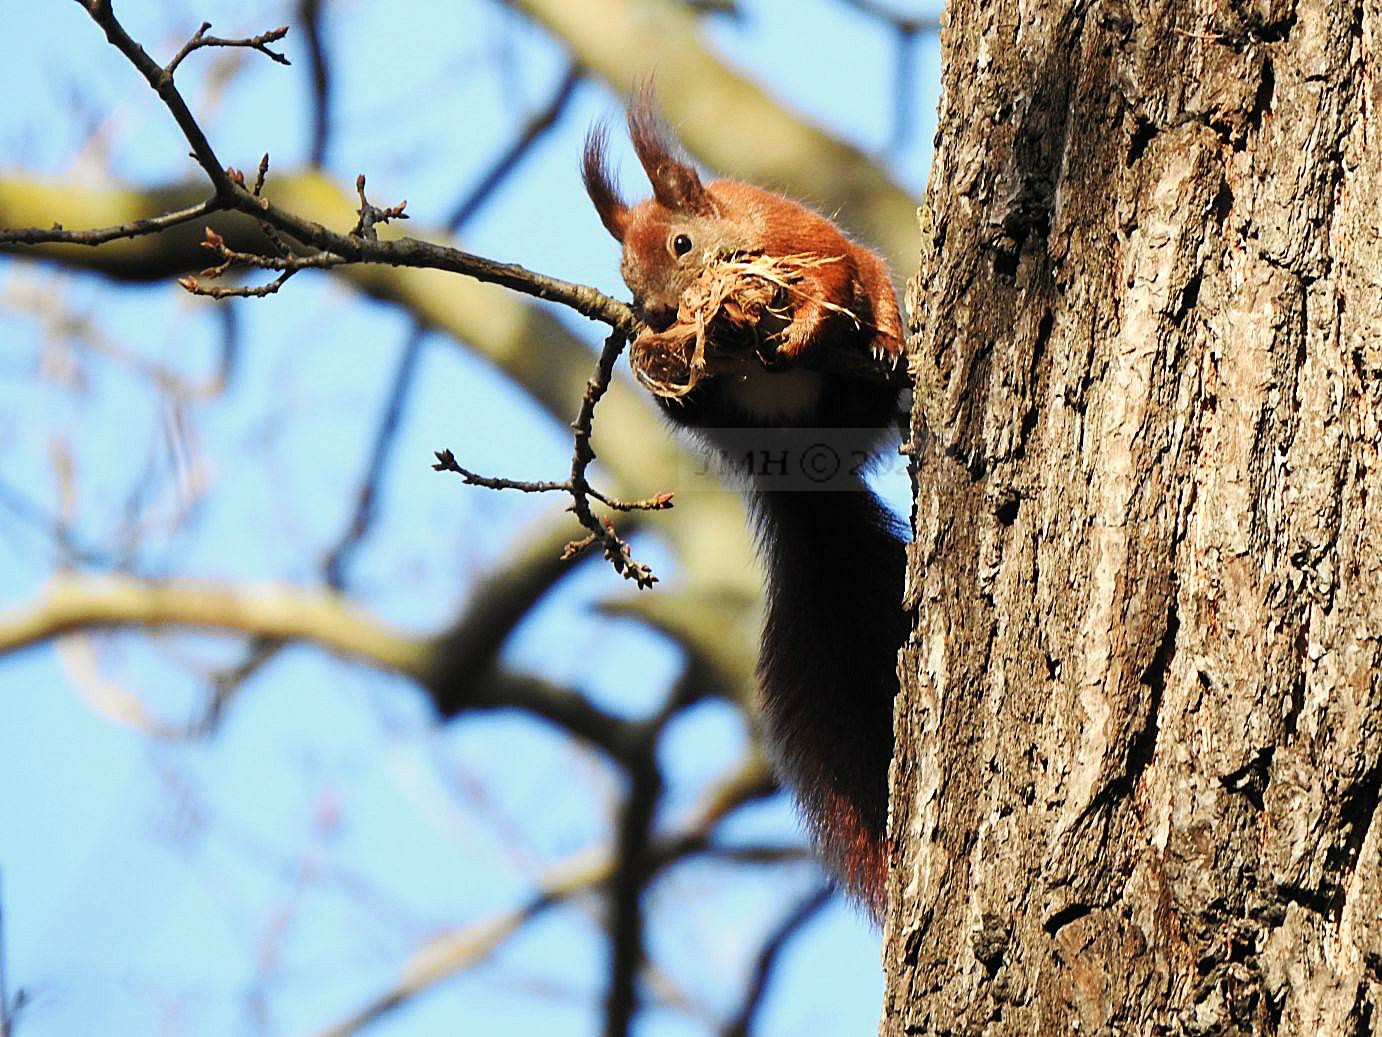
1140, 737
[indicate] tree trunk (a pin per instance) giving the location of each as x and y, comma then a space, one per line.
1140, 733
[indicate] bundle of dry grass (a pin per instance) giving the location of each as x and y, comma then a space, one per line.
737, 309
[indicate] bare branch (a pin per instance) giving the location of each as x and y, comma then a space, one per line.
330, 621
162, 83
907, 25
409, 252
446, 462
363, 245
287, 263
537, 124
454, 952
371, 215
309, 16
355, 248
627, 882
601, 530
636, 861
566, 708
280, 612
231, 193
242, 291
200, 39
806, 909
616, 550
363, 516
100, 235
351, 248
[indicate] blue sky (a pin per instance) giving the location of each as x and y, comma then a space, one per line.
272, 878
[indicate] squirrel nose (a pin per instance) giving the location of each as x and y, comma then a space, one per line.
657, 315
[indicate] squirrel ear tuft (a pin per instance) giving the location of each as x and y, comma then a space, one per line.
676, 184
600, 183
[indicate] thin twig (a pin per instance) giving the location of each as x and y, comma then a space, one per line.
309, 17
371, 215
230, 257
907, 24
288, 265
452, 953
805, 910
162, 83
616, 550
533, 129
200, 39
600, 530
362, 518
410, 252
402, 252
446, 462
281, 248
57, 234
327, 248
239, 291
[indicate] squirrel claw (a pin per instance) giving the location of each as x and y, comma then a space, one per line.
885, 351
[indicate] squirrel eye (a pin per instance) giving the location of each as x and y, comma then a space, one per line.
681, 244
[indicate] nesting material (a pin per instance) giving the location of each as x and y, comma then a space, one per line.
736, 310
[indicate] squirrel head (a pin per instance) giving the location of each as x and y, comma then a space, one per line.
668, 238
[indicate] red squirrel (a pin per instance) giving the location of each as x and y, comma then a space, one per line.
834, 560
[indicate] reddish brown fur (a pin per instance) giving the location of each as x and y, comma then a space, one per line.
732, 216
834, 561
854, 852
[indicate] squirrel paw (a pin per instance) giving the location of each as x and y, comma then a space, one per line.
886, 349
